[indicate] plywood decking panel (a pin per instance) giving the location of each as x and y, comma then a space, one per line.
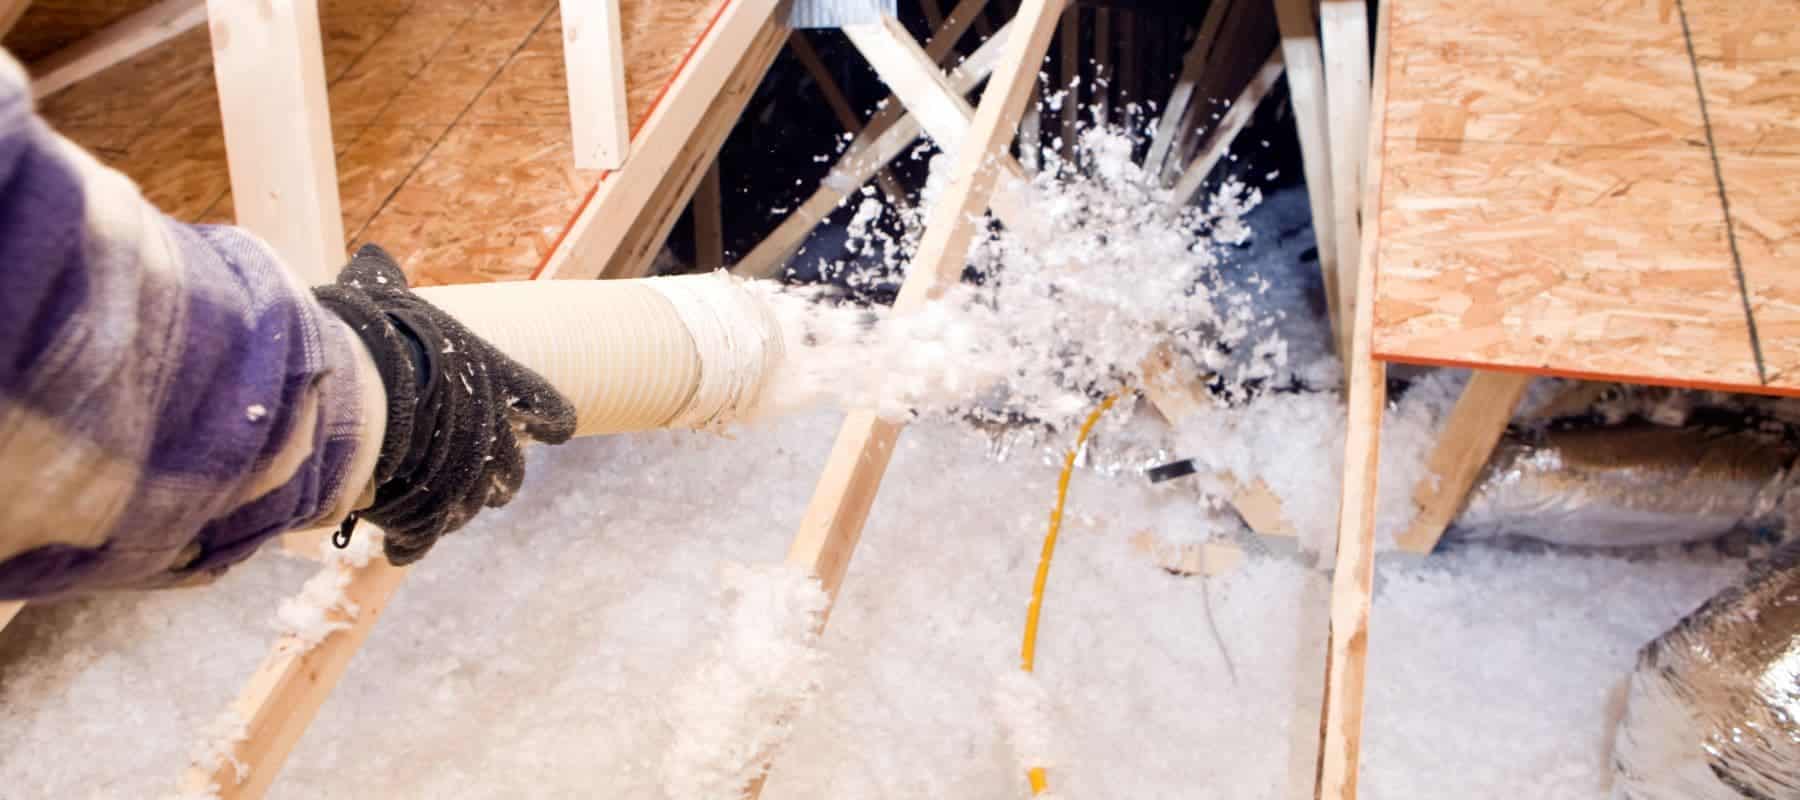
1552, 203
1765, 210
1755, 105
1532, 100
1588, 260
1739, 31
1486, 30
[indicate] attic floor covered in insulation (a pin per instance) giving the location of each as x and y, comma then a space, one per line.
616, 630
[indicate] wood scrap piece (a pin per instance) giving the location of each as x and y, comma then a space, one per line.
1463, 447
1226, 132
8, 610
1205, 558
1176, 393
1306, 93
709, 232
594, 57
285, 693
860, 160
1353, 577
1261, 509
623, 213
840, 106
118, 42
1192, 66
930, 97
1344, 31
1173, 390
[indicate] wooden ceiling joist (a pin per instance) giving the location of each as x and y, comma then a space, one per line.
118, 42
611, 236
880, 142
840, 504
1353, 574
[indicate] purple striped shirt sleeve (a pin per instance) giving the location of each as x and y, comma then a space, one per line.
170, 398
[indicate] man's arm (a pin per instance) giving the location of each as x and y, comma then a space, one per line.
169, 397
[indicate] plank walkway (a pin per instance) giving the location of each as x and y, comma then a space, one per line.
450, 122
1603, 189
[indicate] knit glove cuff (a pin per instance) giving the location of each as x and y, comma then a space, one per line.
458, 409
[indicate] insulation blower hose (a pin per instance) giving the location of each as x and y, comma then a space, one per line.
689, 351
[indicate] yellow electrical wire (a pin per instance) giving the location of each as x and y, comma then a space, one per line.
1040, 783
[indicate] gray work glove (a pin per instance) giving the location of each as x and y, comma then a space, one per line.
458, 409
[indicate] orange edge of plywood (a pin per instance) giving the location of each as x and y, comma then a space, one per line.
1647, 380
635, 129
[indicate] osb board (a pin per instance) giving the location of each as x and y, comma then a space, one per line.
450, 121
1737, 31
1549, 200
658, 35
1765, 205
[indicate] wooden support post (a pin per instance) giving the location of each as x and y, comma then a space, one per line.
616, 232
834, 97
709, 229
1306, 92
1192, 66
1352, 579
834, 518
934, 16
284, 695
270, 69
10, 12
883, 133
860, 160
644, 241
1226, 132
1462, 450
594, 54
941, 45
1103, 69
117, 43
8, 610
1130, 78
859, 457
1071, 80
935, 102
1031, 133
1345, 38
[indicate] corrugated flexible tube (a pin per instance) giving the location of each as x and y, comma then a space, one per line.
689, 351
